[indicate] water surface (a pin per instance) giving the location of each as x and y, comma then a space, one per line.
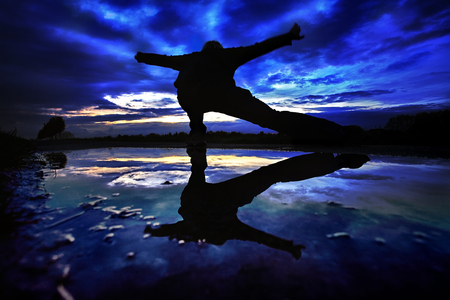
381, 229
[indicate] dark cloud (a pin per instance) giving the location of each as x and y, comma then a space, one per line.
373, 118
280, 78
329, 79
408, 62
426, 20
425, 12
351, 175
340, 97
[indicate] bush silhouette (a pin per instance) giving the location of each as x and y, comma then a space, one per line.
55, 126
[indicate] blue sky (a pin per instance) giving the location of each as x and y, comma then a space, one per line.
360, 62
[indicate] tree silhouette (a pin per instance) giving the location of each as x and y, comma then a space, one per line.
400, 123
53, 127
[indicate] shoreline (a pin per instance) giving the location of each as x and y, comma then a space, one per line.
381, 150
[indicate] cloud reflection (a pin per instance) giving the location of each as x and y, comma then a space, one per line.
152, 179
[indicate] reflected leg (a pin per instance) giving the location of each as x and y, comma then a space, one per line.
243, 189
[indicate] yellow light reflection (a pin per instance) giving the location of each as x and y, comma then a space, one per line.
164, 160
99, 171
213, 160
240, 161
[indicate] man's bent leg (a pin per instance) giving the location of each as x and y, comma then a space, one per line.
197, 135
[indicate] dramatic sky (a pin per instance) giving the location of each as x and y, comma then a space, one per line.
360, 62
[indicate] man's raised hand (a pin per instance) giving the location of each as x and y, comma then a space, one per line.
295, 32
138, 57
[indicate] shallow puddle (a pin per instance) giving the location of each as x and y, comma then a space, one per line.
246, 224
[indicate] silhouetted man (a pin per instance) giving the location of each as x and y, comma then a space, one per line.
205, 84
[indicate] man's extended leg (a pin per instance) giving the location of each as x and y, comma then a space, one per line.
241, 104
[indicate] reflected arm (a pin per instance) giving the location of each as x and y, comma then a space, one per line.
244, 232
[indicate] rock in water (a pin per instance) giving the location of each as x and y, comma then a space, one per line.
338, 235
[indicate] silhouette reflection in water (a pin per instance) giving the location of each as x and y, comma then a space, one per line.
209, 209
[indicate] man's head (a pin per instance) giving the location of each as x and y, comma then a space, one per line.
212, 45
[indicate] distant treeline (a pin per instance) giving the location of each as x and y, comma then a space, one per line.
432, 128
211, 137
426, 128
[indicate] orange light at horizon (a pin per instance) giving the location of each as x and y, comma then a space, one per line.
163, 119
90, 111
208, 117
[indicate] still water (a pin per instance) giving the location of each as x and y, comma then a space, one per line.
206, 225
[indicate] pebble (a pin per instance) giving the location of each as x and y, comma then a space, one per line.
127, 215
420, 234
136, 210
56, 257
181, 242
98, 227
130, 255
64, 293
108, 236
55, 239
65, 272
338, 235
96, 197
91, 203
115, 195
112, 209
115, 227
380, 241
109, 207
147, 235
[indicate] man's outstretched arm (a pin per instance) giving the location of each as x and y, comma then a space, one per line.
173, 62
266, 46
